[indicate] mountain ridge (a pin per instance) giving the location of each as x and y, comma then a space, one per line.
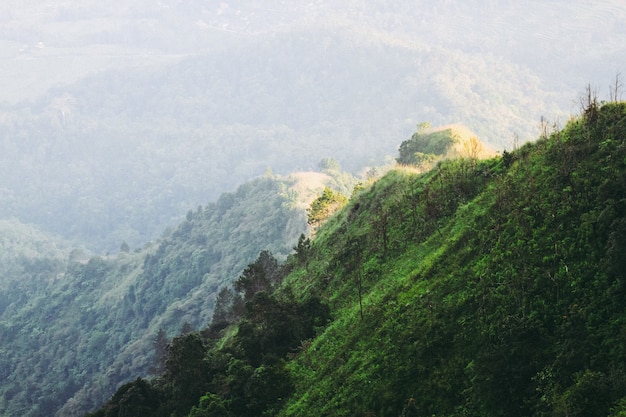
447, 291
90, 321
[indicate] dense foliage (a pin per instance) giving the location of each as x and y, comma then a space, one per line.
489, 288
73, 326
425, 147
325, 206
240, 375
509, 288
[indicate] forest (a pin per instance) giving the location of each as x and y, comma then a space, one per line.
202, 202
438, 293
74, 324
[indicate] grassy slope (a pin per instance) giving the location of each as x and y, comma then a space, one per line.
500, 279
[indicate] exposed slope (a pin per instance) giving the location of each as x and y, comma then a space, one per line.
428, 146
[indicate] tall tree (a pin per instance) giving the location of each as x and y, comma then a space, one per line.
186, 372
160, 352
262, 275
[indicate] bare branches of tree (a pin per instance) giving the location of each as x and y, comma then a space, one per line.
589, 103
615, 89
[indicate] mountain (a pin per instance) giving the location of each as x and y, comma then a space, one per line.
117, 118
481, 287
74, 325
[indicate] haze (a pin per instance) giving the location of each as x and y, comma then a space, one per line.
118, 118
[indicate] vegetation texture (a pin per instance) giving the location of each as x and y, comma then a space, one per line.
482, 287
73, 325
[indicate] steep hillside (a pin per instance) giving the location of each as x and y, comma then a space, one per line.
72, 326
501, 279
489, 288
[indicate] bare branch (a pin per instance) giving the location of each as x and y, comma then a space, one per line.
615, 90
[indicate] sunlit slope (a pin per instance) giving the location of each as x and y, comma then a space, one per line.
477, 282
438, 293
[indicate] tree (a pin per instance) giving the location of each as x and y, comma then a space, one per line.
424, 147
137, 398
186, 328
267, 389
228, 306
303, 249
615, 90
210, 405
472, 148
262, 275
325, 206
160, 353
589, 104
186, 374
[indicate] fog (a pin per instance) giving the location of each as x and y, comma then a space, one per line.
117, 117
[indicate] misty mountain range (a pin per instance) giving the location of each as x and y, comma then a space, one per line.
118, 118
149, 151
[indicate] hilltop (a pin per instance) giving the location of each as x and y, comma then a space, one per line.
429, 145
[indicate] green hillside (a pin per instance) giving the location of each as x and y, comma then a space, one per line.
508, 286
73, 326
482, 287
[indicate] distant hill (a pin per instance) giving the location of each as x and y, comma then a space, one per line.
74, 325
117, 118
172, 137
439, 293
20, 241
